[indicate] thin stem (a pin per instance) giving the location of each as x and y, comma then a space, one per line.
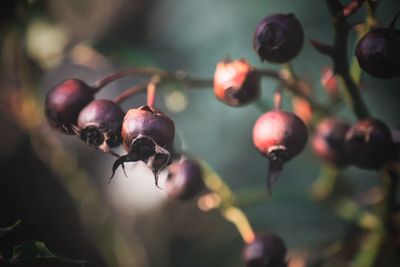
226, 205
130, 92
278, 97
294, 86
151, 91
165, 76
340, 60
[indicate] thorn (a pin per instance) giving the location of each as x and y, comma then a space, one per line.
325, 49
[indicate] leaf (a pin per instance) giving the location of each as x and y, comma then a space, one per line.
36, 251
8, 229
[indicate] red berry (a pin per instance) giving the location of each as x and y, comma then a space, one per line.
279, 135
267, 250
278, 38
236, 82
328, 142
100, 124
369, 144
64, 102
185, 179
147, 135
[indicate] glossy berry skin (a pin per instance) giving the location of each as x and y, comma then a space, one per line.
145, 121
328, 142
100, 124
278, 38
64, 103
185, 179
267, 250
279, 135
378, 53
369, 144
236, 83
147, 135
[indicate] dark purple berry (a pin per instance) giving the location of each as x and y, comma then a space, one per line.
64, 103
185, 179
279, 136
378, 53
267, 250
236, 82
147, 135
278, 38
369, 144
100, 124
328, 142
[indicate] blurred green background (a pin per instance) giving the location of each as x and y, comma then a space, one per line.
58, 186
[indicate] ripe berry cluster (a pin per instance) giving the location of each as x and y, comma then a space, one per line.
147, 134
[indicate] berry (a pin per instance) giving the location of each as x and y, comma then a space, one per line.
267, 250
279, 136
328, 141
369, 144
147, 135
236, 82
185, 179
64, 103
278, 38
100, 124
378, 53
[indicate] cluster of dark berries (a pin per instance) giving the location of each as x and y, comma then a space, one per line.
368, 144
145, 133
278, 135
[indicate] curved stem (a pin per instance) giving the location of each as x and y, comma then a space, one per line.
226, 204
278, 97
340, 60
151, 91
130, 92
165, 76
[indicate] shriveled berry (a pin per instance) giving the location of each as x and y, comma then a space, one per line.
185, 179
64, 103
278, 38
100, 123
328, 142
279, 136
267, 250
369, 144
378, 53
236, 82
147, 135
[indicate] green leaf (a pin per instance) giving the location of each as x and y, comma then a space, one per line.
8, 229
37, 251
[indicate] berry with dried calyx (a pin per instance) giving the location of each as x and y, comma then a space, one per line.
328, 142
266, 250
378, 52
147, 135
278, 38
369, 144
99, 124
64, 103
185, 179
279, 136
236, 82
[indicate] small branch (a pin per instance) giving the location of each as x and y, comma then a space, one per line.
324, 49
130, 92
165, 76
340, 61
226, 204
